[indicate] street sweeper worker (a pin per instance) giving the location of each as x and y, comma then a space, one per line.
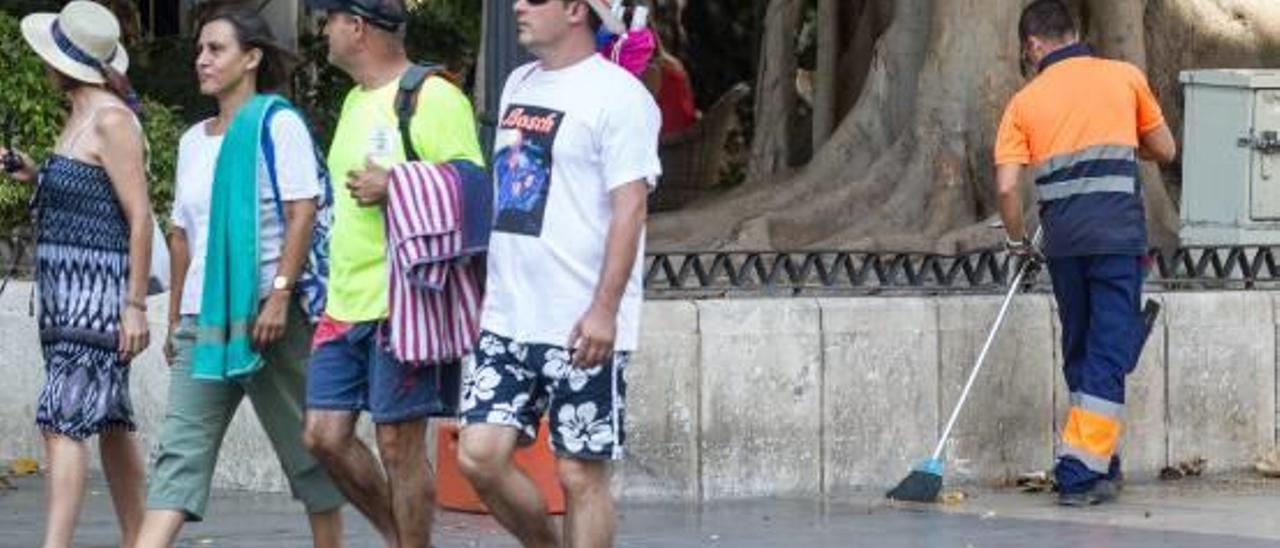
1081, 125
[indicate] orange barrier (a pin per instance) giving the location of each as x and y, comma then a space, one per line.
454, 492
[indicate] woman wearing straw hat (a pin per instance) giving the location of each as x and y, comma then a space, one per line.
93, 225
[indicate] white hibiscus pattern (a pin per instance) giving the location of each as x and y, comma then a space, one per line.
519, 372
491, 345
579, 427
510, 409
479, 386
556, 365
518, 350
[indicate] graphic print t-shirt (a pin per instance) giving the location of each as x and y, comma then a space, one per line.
523, 165
565, 139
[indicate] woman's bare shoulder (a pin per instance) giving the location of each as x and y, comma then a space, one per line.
117, 121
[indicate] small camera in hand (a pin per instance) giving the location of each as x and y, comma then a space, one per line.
9, 161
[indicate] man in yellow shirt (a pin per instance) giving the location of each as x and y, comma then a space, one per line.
351, 369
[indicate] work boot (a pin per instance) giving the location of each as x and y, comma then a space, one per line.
1102, 491
1116, 482
1115, 475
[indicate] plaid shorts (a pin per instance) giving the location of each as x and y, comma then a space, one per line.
511, 383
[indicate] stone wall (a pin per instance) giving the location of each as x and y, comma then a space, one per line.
806, 397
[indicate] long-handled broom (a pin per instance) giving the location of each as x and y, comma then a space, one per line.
925, 481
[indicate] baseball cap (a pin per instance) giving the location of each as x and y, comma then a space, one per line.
385, 14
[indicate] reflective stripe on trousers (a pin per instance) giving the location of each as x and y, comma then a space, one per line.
1093, 431
1102, 332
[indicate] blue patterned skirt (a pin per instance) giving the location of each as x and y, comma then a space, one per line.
82, 270
86, 388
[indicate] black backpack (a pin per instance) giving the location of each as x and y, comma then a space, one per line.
407, 101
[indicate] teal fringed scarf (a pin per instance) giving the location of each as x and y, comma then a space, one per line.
224, 338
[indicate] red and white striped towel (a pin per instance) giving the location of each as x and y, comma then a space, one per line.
435, 287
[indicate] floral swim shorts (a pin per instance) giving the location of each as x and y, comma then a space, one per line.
511, 383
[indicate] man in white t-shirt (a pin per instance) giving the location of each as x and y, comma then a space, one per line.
576, 155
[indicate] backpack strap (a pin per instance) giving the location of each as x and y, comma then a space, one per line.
407, 102
268, 147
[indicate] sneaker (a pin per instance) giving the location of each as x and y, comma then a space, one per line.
1102, 491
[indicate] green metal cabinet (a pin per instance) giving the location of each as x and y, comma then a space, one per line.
1231, 157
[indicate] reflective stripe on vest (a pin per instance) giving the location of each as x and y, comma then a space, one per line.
1101, 168
1066, 189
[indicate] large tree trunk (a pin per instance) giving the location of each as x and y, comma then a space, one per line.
872, 175
1117, 30
909, 166
775, 90
824, 76
868, 20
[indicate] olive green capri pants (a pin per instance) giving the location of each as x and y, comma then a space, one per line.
199, 412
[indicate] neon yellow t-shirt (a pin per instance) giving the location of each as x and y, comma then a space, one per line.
443, 129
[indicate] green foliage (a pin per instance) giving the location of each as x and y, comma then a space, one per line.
27, 92
319, 88
446, 32
164, 129
19, 8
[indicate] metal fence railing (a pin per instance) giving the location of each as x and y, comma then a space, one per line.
852, 273
725, 274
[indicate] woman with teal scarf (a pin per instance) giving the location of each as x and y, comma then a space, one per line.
236, 326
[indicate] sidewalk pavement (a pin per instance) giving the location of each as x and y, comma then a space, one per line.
1236, 511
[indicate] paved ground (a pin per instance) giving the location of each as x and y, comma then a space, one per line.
1239, 512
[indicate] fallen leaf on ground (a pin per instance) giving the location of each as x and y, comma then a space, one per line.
1186, 469
25, 466
952, 497
1040, 481
1269, 466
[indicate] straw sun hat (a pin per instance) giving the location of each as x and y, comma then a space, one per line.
77, 41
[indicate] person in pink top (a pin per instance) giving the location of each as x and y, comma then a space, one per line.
630, 46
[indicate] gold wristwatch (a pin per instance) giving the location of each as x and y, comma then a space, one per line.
281, 283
